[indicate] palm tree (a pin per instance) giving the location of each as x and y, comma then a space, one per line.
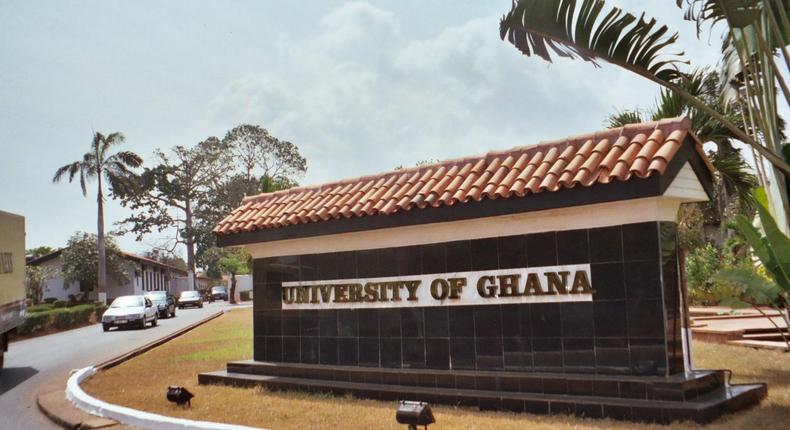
98, 163
757, 33
733, 182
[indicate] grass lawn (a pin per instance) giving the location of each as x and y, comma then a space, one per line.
141, 383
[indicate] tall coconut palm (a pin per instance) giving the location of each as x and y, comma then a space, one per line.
99, 164
757, 34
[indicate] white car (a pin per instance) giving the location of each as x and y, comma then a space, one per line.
130, 311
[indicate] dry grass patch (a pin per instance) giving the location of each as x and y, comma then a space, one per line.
141, 383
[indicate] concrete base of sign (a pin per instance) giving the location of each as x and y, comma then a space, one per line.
700, 396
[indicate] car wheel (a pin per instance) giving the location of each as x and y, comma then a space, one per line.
173, 315
201, 306
143, 323
105, 327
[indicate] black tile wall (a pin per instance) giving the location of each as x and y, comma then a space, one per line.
458, 256
542, 249
631, 326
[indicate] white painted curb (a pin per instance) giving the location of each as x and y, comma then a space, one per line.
130, 416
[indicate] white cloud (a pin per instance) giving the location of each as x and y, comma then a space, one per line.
362, 96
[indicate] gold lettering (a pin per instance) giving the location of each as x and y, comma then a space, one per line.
383, 292
371, 293
288, 295
314, 294
581, 285
326, 293
486, 286
456, 287
302, 295
508, 285
355, 292
557, 285
533, 287
411, 286
395, 287
341, 293
439, 289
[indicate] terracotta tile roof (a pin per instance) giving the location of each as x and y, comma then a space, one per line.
637, 150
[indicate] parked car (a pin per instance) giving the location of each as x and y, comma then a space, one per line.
130, 311
164, 302
190, 299
219, 293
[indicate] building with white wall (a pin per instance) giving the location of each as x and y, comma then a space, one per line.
144, 274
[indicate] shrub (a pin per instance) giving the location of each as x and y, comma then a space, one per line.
60, 318
244, 296
60, 304
34, 322
50, 300
39, 308
702, 264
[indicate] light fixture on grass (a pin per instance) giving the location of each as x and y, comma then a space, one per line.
414, 414
179, 395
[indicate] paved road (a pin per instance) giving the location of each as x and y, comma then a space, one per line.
30, 364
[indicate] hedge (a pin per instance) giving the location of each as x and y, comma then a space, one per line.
60, 318
244, 295
39, 308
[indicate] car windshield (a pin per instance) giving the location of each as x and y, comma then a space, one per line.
128, 302
190, 295
157, 296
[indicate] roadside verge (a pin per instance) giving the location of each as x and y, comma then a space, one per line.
133, 417
53, 402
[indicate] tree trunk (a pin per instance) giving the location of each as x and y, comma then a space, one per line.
101, 287
232, 293
190, 245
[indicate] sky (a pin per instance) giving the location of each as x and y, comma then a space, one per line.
359, 86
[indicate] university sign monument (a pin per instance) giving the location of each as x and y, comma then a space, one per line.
541, 279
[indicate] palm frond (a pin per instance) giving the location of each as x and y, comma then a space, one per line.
559, 26
70, 168
112, 139
736, 177
127, 158
98, 138
83, 184
622, 118
738, 13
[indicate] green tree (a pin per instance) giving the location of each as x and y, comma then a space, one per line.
36, 278
757, 32
81, 260
259, 156
258, 163
100, 164
39, 251
167, 195
234, 261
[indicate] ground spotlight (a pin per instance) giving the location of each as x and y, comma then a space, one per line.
414, 414
179, 395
